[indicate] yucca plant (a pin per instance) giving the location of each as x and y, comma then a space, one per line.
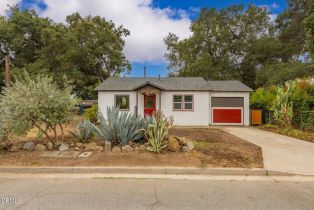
157, 132
120, 127
83, 133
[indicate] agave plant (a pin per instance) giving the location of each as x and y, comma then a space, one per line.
157, 132
83, 133
120, 127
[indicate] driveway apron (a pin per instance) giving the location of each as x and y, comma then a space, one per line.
280, 153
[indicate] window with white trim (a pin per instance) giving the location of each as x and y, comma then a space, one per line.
183, 102
122, 102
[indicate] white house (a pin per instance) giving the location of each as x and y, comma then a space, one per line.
192, 101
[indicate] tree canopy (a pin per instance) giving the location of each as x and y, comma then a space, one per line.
242, 43
86, 50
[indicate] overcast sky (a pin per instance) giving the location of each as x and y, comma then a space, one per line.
148, 20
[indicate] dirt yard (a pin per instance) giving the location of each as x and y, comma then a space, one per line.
213, 148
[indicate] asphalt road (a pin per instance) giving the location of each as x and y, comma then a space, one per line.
153, 194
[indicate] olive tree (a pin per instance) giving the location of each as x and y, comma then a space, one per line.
35, 102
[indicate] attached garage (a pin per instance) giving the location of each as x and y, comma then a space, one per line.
227, 110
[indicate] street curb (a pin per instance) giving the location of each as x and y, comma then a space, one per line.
144, 170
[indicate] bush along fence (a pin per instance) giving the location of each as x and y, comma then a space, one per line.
303, 120
288, 105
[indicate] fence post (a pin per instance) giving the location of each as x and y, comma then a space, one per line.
269, 121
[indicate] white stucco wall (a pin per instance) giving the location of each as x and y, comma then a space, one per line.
199, 116
246, 103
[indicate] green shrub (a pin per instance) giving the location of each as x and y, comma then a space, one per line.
120, 127
83, 133
262, 98
157, 132
35, 102
91, 114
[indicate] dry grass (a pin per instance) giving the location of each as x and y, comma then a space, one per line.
296, 133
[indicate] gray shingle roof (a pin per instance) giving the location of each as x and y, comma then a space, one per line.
228, 86
172, 84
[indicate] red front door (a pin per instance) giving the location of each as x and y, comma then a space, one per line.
149, 104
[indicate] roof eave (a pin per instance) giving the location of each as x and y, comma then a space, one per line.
148, 83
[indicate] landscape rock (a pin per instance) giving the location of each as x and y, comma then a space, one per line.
142, 147
173, 144
185, 149
90, 146
40, 147
182, 140
14, 148
107, 146
64, 147
137, 148
132, 144
77, 148
116, 149
79, 144
127, 148
49, 145
100, 148
190, 145
29, 146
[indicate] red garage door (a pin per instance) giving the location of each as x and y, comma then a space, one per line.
227, 110
227, 116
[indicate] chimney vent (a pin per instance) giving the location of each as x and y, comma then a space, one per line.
144, 71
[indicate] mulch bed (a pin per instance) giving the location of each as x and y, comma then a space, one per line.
213, 148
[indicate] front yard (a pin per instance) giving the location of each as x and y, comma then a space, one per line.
213, 148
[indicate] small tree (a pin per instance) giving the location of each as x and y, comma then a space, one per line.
37, 102
283, 106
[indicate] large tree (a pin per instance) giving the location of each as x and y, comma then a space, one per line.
86, 50
219, 45
309, 29
237, 43
289, 25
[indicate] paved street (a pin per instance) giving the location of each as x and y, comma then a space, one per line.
154, 194
280, 153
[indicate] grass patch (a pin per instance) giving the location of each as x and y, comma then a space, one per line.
296, 133
204, 145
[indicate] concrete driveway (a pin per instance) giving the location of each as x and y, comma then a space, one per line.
280, 153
